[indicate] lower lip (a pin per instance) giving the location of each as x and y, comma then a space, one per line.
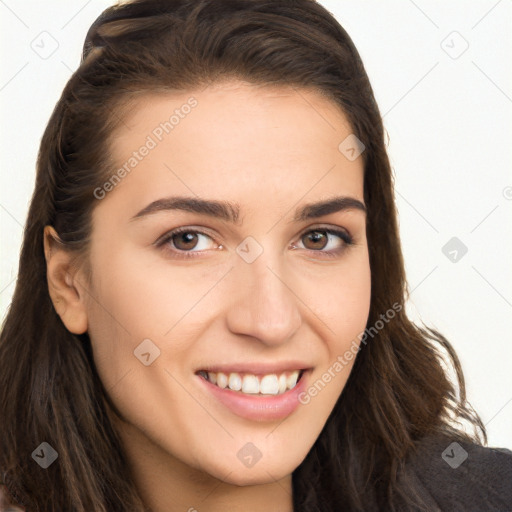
258, 407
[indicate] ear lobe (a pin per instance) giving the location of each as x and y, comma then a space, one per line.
61, 276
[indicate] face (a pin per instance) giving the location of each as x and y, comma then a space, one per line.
188, 301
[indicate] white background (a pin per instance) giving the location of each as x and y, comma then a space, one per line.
449, 122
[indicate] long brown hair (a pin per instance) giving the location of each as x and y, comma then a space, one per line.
397, 392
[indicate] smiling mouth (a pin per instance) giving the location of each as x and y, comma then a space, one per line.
250, 384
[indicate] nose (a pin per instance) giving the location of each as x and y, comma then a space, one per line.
264, 305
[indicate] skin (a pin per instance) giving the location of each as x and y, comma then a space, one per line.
270, 150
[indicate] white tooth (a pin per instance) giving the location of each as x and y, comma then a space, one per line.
235, 382
292, 379
282, 383
222, 380
269, 385
212, 377
251, 384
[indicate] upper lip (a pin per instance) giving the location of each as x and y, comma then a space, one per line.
260, 368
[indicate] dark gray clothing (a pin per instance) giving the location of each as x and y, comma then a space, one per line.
462, 477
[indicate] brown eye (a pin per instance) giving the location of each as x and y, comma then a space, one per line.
185, 241
318, 240
327, 242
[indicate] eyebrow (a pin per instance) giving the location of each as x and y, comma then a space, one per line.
230, 212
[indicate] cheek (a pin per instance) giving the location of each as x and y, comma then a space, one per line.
123, 310
135, 298
341, 300
347, 306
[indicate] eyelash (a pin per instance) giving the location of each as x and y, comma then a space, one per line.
163, 241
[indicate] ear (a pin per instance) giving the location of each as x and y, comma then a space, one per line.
63, 281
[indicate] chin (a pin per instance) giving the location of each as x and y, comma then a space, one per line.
264, 471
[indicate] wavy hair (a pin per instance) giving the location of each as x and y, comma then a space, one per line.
399, 390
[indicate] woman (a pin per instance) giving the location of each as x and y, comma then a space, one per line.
210, 304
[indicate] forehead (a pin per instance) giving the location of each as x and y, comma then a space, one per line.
235, 141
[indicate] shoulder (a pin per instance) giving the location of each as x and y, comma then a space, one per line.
460, 475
